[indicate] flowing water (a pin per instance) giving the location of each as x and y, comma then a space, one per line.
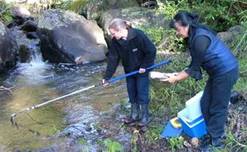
57, 125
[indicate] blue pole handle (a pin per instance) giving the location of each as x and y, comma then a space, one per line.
113, 80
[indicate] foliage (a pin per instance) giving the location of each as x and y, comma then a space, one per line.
76, 5
152, 135
232, 143
73, 5
176, 143
174, 43
219, 15
113, 146
239, 47
155, 34
5, 14
168, 8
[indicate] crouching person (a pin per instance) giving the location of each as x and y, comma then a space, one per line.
136, 52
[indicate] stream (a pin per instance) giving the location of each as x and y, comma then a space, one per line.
70, 124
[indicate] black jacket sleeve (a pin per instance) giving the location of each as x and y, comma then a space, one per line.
112, 62
199, 47
149, 51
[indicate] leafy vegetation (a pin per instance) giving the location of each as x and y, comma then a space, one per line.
5, 15
176, 143
155, 34
214, 16
219, 15
73, 5
113, 146
169, 99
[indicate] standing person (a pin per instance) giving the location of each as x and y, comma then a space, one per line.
136, 52
209, 53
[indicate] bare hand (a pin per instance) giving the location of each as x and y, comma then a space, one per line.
172, 78
142, 70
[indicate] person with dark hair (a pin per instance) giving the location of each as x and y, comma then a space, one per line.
209, 53
136, 52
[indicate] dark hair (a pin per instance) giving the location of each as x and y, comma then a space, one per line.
184, 19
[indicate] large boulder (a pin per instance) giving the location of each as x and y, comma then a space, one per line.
139, 17
20, 15
69, 37
21, 12
8, 49
94, 8
231, 34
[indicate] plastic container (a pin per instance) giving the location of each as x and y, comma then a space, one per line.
193, 128
193, 107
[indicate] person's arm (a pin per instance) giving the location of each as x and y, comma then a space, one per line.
175, 77
199, 47
112, 62
149, 51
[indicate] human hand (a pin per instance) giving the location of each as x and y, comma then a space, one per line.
142, 70
171, 78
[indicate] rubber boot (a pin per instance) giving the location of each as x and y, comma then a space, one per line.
218, 143
145, 118
205, 143
134, 114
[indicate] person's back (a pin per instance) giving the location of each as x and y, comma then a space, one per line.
218, 58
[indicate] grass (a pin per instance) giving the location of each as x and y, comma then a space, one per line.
76, 5
5, 13
175, 143
113, 146
167, 99
173, 97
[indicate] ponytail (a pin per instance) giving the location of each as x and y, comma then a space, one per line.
185, 18
194, 18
